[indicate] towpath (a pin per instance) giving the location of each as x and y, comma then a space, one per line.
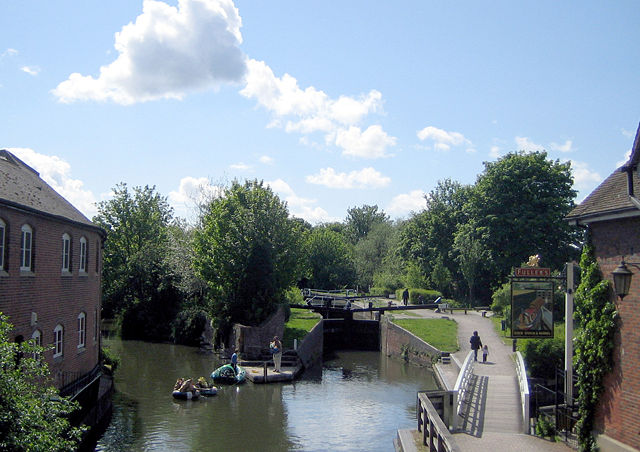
492, 417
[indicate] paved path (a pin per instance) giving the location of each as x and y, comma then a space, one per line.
492, 416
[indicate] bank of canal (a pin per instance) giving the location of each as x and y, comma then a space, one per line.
356, 401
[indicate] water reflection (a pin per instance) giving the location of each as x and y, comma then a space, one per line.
356, 402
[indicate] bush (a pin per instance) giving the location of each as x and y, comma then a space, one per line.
414, 295
110, 359
501, 299
188, 326
544, 356
382, 292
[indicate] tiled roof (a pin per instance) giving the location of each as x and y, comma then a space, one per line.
611, 197
21, 186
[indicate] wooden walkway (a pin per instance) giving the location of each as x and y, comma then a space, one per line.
492, 418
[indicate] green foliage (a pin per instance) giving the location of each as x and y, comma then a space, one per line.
439, 333
371, 250
188, 326
329, 260
441, 277
596, 316
544, 427
248, 252
381, 291
544, 356
33, 417
414, 277
361, 220
134, 266
472, 257
110, 359
299, 325
428, 295
501, 299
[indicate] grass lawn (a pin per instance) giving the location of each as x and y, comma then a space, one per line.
440, 333
300, 323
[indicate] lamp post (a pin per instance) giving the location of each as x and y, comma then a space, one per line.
622, 279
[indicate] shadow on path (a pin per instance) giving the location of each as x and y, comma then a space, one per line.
474, 406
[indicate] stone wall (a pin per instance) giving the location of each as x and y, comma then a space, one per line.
251, 341
396, 341
311, 347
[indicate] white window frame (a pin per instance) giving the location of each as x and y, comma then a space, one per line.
3, 237
83, 255
66, 252
82, 330
58, 341
36, 337
26, 252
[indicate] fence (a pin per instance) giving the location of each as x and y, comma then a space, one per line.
435, 434
461, 387
523, 383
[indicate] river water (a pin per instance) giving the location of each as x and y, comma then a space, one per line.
356, 402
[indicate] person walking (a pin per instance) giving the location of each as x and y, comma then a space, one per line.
276, 349
405, 296
476, 344
485, 353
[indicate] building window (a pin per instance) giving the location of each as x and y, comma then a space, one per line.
26, 244
83, 255
58, 336
3, 235
36, 339
82, 330
66, 252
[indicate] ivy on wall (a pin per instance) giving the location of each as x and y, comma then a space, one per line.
596, 316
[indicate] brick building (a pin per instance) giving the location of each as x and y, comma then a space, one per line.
50, 264
612, 215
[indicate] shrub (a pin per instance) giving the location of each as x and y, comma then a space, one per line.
544, 356
188, 326
501, 299
414, 295
110, 359
382, 292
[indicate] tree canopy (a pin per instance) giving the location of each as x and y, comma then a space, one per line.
248, 252
329, 260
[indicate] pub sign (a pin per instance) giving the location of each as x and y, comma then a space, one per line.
532, 303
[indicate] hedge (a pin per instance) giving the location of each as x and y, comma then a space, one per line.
414, 295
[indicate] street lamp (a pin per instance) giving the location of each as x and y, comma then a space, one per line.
622, 279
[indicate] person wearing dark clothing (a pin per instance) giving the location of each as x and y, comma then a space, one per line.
476, 344
405, 296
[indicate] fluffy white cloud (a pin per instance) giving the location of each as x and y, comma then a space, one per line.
372, 143
311, 110
525, 144
240, 166
406, 203
192, 192
57, 173
495, 152
166, 53
583, 177
300, 207
31, 70
566, 147
443, 140
365, 178
9, 52
266, 160
625, 159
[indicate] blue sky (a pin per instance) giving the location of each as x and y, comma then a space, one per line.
333, 104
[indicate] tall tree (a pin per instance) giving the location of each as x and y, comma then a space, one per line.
360, 220
329, 260
134, 254
371, 250
33, 417
248, 252
518, 206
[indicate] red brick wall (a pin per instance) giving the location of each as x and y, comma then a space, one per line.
619, 410
55, 298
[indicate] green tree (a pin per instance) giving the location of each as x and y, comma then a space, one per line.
370, 251
596, 315
33, 417
248, 252
329, 260
517, 207
134, 267
472, 257
361, 220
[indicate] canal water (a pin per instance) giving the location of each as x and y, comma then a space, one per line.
356, 402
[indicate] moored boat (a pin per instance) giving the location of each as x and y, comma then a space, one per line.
186, 395
227, 374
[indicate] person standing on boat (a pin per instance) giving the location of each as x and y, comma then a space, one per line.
276, 349
234, 360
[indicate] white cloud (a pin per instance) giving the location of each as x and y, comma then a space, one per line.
525, 144
583, 176
9, 52
627, 156
240, 166
191, 193
365, 178
372, 143
406, 203
300, 207
495, 152
31, 70
443, 140
310, 110
166, 53
566, 147
628, 133
57, 173
266, 160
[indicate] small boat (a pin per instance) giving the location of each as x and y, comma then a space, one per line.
226, 374
186, 395
208, 391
